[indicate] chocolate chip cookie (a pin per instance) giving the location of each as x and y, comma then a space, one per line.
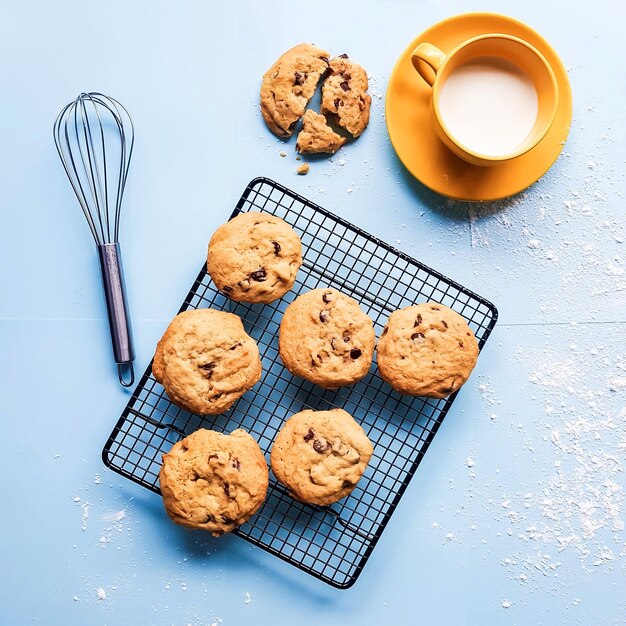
344, 95
326, 338
426, 350
289, 85
254, 257
214, 481
320, 455
206, 361
317, 136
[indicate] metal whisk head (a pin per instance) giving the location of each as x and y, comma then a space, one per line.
94, 136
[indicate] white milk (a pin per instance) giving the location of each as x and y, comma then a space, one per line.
489, 105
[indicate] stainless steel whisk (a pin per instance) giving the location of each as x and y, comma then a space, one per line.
94, 136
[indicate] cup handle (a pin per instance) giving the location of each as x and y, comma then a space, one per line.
427, 55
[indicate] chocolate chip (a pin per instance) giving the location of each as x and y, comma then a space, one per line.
345, 76
385, 331
276, 247
461, 344
217, 396
309, 435
320, 446
259, 275
344, 85
298, 148
299, 78
355, 353
227, 289
343, 56
226, 519
333, 343
325, 59
346, 336
445, 324
235, 346
435, 308
419, 336
418, 320
227, 489
235, 463
207, 369
194, 477
324, 315
345, 484
338, 103
209, 518
326, 296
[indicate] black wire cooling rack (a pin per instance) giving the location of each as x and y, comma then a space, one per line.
332, 543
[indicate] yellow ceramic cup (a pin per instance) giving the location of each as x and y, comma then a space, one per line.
435, 66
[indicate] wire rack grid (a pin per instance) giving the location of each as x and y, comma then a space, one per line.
332, 543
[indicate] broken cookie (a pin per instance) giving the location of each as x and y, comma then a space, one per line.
317, 136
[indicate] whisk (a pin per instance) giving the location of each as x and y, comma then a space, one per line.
94, 136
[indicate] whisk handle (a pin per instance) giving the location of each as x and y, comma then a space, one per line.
117, 308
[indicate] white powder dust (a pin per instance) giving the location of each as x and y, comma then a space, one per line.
101, 593
116, 516
85, 516
247, 598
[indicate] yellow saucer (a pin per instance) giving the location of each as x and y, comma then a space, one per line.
427, 158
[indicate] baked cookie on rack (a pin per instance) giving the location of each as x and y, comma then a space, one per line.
254, 257
206, 361
317, 136
214, 481
345, 97
326, 338
426, 350
320, 455
288, 86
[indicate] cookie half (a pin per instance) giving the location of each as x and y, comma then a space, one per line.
254, 257
206, 361
214, 481
344, 95
326, 338
426, 350
320, 455
289, 85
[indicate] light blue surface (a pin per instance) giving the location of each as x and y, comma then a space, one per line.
520, 498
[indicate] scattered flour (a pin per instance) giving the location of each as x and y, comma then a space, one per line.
247, 598
101, 593
85, 516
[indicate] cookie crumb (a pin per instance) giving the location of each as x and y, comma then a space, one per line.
282, 153
303, 169
298, 158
